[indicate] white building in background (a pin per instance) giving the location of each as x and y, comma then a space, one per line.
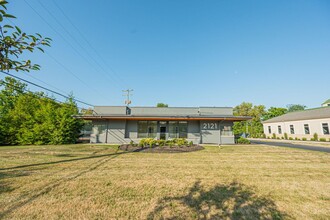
326, 103
301, 124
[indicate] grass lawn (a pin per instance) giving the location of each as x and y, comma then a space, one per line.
99, 182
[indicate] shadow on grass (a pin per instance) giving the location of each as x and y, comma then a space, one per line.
5, 186
34, 194
65, 161
233, 201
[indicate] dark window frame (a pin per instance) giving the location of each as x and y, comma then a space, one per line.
325, 128
291, 129
306, 129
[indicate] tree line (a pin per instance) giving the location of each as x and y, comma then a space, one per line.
28, 117
259, 113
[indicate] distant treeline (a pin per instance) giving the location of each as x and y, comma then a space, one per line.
34, 118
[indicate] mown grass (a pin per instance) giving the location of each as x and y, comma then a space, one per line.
99, 182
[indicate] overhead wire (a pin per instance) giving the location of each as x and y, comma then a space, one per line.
73, 48
28, 92
77, 42
68, 70
85, 39
49, 90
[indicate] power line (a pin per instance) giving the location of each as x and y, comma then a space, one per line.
67, 69
58, 33
85, 39
128, 93
75, 40
27, 92
57, 93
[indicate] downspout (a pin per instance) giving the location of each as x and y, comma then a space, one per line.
106, 134
220, 143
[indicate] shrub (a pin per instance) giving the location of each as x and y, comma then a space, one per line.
315, 137
297, 139
285, 136
274, 136
290, 138
181, 142
263, 135
142, 143
147, 142
323, 139
161, 143
191, 144
242, 140
282, 137
304, 139
278, 138
131, 143
268, 137
312, 139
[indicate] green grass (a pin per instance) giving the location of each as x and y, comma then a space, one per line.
99, 182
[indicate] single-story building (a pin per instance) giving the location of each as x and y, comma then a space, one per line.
123, 124
300, 124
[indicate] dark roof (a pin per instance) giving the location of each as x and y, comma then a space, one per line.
315, 113
162, 117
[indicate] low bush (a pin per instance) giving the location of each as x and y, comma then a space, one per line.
290, 138
285, 136
297, 139
304, 139
242, 140
150, 142
263, 135
315, 137
282, 137
278, 138
323, 139
312, 139
191, 144
274, 136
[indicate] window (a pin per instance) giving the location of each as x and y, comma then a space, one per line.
269, 130
99, 128
178, 129
226, 130
279, 129
147, 129
325, 128
291, 129
306, 128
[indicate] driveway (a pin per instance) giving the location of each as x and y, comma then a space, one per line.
299, 146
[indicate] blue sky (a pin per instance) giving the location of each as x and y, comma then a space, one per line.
184, 53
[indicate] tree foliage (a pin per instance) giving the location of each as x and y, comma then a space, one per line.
14, 42
254, 126
295, 107
162, 105
34, 118
273, 112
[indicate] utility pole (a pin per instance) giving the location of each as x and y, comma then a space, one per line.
128, 93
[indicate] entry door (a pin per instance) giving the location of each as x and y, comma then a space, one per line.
162, 132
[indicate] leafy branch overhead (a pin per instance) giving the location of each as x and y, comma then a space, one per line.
14, 42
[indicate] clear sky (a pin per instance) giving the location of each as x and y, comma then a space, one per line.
183, 53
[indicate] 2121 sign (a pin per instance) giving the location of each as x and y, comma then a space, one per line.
210, 126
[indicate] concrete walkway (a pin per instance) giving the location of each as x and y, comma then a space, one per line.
300, 145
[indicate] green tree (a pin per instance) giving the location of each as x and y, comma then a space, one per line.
273, 112
254, 126
14, 42
34, 118
162, 105
295, 107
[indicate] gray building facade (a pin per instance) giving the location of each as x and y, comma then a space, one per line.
201, 125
